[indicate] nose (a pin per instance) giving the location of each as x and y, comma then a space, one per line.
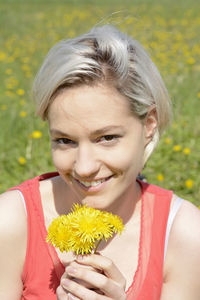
86, 163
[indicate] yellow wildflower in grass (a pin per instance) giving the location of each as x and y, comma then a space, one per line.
3, 107
168, 141
25, 67
9, 71
22, 160
190, 60
177, 148
2, 56
9, 94
20, 92
186, 151
83, 229
174, 125
23, 114
28, 74
198, 95
25, 60
36, 134
189, 183
160, 177
11, 59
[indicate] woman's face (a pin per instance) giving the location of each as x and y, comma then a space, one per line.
97, 143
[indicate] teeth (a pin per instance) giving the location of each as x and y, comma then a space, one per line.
92, 183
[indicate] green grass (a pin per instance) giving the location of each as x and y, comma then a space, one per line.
168, 30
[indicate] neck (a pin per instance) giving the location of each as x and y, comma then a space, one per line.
126, 205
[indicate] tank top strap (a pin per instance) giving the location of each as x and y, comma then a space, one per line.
41, 258
172, 214
149, 277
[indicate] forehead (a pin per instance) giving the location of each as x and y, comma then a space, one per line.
98, 105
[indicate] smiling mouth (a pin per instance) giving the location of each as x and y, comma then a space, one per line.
94, 183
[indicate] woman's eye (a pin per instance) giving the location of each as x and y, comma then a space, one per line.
64, 141
109, 138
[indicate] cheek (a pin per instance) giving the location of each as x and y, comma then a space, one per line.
61, 161
126, 160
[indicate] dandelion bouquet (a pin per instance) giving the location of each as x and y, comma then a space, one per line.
82, 230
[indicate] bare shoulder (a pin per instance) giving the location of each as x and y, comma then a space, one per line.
186, 225
182, 265
13, 236
12, 212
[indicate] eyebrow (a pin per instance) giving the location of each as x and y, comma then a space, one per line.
100, 131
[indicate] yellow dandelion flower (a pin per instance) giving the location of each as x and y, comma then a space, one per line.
59, 233
115, 222
20, 92
177, 148
25, 60
28, 74
9, 86
9, 93
189, 183
25, 67
22, 160
2, 56
198, 95
86, 229
82, 229
36, 134
190, 60
168, 141
23, 114
80, 246
186, 151
160, 177
9, 71
3, 107
11, 59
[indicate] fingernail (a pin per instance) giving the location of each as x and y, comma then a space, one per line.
80, 257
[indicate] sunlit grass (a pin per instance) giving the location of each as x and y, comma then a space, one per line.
169, 31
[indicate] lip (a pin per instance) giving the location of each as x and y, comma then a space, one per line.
96, 188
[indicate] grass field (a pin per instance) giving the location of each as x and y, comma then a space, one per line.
168, 29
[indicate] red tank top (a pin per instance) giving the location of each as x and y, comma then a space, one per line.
43, 269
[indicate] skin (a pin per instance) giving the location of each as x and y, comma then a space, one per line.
94, 145
87, 151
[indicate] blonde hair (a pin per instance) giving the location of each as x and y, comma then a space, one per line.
105, 54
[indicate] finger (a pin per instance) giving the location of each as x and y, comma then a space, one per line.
106, 266
61, 293
80, 291
99, 281
76, 264
72, 297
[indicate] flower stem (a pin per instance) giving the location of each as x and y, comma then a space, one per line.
95, 251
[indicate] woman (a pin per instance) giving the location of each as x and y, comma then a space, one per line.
106, 107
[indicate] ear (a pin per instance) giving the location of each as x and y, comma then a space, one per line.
151, 123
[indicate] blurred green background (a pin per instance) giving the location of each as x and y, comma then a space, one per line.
169, 30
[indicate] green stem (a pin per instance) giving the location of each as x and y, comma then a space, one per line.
95, 251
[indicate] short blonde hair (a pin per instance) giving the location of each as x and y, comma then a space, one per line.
103, 54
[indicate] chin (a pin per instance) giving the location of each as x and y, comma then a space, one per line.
99, 203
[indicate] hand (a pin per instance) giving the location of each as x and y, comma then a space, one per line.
61, 292
100, 280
